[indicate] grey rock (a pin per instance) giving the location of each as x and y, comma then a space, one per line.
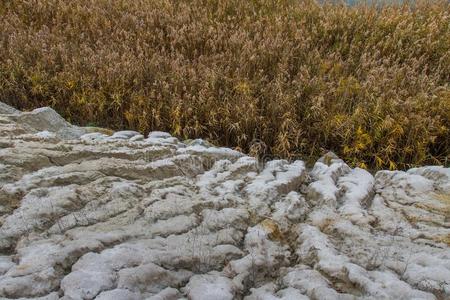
46, 119
92, 216
6, 109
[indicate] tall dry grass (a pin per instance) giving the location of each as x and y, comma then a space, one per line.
287, 78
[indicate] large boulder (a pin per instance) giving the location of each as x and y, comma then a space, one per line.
46, 119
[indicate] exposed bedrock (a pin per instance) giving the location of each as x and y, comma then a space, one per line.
87, 215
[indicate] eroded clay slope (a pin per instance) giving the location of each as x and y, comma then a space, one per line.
85, 215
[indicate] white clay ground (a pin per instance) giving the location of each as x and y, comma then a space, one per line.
85, 215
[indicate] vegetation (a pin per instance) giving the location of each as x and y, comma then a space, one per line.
283, 78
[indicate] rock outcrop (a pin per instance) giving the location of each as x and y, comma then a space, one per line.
86, 215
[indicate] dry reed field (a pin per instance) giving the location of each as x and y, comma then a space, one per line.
289, 79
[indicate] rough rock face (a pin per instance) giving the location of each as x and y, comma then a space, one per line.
84, 215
